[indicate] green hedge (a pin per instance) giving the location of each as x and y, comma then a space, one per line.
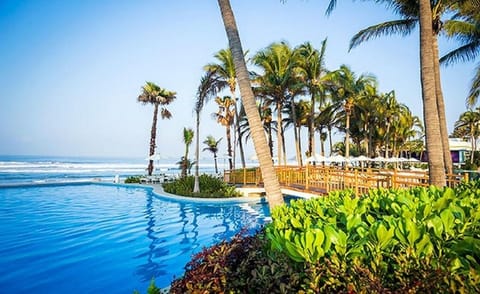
210, 187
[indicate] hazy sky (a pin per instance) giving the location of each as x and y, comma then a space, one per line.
71, 71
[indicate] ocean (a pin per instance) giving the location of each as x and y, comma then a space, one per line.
16, 169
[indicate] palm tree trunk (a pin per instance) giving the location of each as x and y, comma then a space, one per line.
229, 146
447, 157
237, 130
196, 184
215, 161
300, 145
153, 138
279, 133
430, 110
270, 139
270, 180
311, 127
330, 140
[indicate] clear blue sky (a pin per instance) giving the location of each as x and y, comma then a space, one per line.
70, 71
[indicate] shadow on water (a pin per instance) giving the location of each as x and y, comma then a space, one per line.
151, 268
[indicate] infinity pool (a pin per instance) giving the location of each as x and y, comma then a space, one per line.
93, 238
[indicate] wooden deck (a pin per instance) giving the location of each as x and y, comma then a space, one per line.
323, 179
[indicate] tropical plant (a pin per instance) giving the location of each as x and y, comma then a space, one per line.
312, 65
226, 116
209, 86
224, 74
272, 186
428, 14
465, 27
188, 135
153, 94
212, 146
210, 186
279, 82
346, 90
468, 124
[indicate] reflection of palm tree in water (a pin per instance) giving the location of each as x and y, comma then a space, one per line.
234, 219
193, 240
151, 269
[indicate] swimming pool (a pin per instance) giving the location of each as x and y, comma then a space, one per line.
92, 238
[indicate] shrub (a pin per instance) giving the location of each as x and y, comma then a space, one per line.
132, 180
422, 240
210, 187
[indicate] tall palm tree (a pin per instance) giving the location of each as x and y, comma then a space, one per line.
209, 86
187, 140
312, 64
212, 146
270, 180
280, 74
153, 94
226, 116
411, 11
224, 73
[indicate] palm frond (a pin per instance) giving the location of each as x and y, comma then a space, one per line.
464, 53
403, 27
474, 89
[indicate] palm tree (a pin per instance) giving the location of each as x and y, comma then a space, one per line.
270, 180
153, 94
224, 73
297, 115
225, 116
469, 123
212, 146
416, 12
187, 139
346, 90
280, 75
209, 86
312, 63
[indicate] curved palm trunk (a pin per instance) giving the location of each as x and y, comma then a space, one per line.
272, 186
430, 109
441, 110
153, 138
196, 184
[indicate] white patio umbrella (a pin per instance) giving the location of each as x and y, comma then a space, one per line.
379, 159
361, 158
317, 158
337, 159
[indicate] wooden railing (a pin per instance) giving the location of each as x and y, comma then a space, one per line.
323, 179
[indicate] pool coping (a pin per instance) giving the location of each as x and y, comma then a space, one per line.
250, 194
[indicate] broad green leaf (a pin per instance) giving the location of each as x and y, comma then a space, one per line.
296, 223
448, 221
435, 222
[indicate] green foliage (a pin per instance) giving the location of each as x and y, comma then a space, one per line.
132, 180
210, 187
398, 238
152, 289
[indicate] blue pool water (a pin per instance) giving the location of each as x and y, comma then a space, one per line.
89, 238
